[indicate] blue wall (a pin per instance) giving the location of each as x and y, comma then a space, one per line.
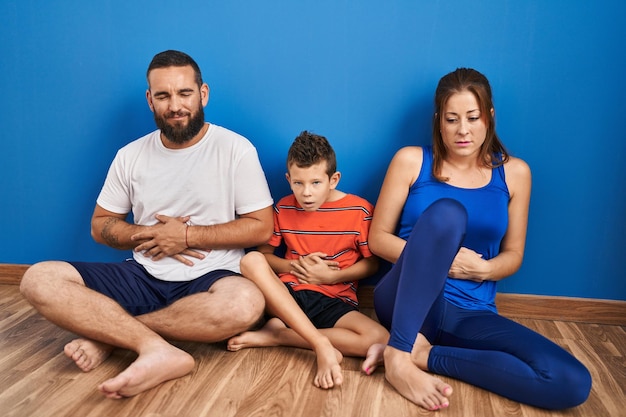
361, 72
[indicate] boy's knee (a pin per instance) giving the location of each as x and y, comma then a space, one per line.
251, 261
382, 335
377, 334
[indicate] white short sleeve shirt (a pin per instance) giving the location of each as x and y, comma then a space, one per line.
213, 181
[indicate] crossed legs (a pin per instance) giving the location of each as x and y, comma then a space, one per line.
280, 303
58, 292
354, 334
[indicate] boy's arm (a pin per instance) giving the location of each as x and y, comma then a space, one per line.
315, 270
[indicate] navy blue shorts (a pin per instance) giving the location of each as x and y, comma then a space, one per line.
322, 310
136, 290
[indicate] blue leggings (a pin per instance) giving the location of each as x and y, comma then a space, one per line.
479, 347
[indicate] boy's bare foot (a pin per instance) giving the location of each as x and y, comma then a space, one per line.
87, 354
414, 384
329, 372
264, 337
153, 366
373, 358
328, 358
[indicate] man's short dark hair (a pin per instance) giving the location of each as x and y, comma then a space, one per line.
173, 58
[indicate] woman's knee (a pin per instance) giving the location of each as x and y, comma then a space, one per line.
565, 384
448, 215
442, 225
573, 384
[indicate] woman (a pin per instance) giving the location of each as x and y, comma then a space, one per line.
460, 209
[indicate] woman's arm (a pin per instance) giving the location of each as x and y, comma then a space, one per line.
469, 265
401, 174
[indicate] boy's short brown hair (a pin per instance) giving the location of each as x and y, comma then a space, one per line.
309, 149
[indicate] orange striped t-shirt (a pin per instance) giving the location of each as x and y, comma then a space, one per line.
338, 228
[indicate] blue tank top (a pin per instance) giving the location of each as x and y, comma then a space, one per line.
487, 209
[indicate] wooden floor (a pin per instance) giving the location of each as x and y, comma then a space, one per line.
37, 380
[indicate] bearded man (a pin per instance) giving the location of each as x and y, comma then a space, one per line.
198, 196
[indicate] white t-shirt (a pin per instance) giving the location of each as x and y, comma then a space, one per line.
212, 181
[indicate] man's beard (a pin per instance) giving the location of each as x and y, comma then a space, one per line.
177, 133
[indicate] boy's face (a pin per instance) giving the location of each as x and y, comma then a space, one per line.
311, 186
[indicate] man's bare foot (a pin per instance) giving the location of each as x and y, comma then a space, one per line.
373, 358
329, 372
153, 366
264, 337
414, 384
87, 354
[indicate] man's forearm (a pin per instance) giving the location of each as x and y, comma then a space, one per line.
114, 232
240, 233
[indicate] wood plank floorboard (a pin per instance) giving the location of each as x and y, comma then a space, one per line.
37, 380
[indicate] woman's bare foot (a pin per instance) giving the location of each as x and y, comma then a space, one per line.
264, 337
87, 354
373, 358
155, 365
329, 372
414, 384
421, 351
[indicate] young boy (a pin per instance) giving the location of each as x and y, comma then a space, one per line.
325, 232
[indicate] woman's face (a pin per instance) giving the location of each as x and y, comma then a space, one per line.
463, 127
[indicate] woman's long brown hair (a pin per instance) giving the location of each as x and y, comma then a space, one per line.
492, 152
